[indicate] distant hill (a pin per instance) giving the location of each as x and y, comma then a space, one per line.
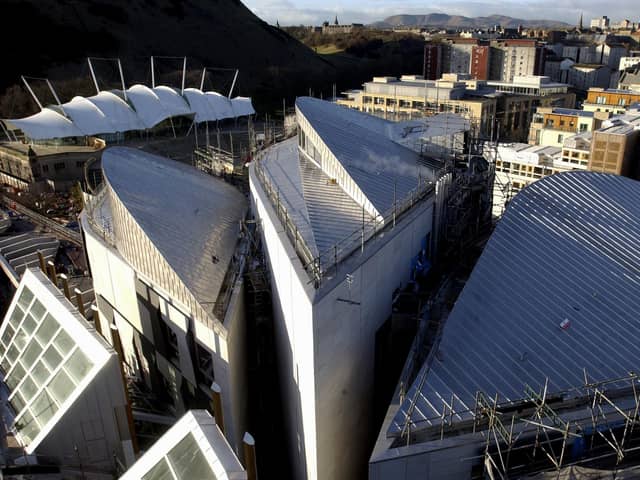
458, 21
52, 38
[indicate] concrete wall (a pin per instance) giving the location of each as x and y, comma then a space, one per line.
292, 298
437, 460
344, 343
326, 346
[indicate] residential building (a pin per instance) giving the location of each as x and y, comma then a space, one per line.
615, 148
457, 55
480, 62
512, 373
585, 76
166, 250
65, 404
515, 58
601, 23
194, 448
432, 68
629, 62
630, 79
609, 100
551, 126
344, 212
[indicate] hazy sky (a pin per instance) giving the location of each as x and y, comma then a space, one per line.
308, 12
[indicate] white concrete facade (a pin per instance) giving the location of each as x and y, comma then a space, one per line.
325, 334
143, 301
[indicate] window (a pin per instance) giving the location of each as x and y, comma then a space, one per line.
560, 137
45, 168
601, 100
583, 127
170, 340
58, 166
205, 364
621, 101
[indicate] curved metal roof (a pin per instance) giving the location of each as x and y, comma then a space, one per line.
554, 292
190, 217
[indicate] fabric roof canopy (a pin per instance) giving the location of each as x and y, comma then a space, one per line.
108, 112
46, 124
242, 106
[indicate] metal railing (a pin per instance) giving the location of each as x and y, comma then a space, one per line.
104, 228
320, 265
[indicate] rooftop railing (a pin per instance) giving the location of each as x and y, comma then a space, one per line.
325, 263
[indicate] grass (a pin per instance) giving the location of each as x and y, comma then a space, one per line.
328, 49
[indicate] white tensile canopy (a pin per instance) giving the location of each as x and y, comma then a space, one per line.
156, 105
242, 106
46, 124
108, 112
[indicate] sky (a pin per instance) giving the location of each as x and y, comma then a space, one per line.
309, 12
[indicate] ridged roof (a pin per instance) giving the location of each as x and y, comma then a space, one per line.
565, 254
190, 217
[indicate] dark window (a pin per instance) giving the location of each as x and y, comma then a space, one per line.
205, 364
45, 168
172, 352
58, 166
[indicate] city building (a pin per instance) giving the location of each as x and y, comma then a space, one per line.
538, 86
194, 448
345, 214
432, 67
609, 100
337, 29
534, 367
64, 402
412, 97
166, 251
45, 167
601, 23
551, 126
631, 61
458, 55
585, 76
515, 58
615, 148
630, 80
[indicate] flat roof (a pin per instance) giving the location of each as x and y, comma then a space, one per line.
553, 295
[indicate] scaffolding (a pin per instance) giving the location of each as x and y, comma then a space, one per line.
594, 424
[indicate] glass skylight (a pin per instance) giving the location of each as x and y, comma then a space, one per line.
185, 461
41, 362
